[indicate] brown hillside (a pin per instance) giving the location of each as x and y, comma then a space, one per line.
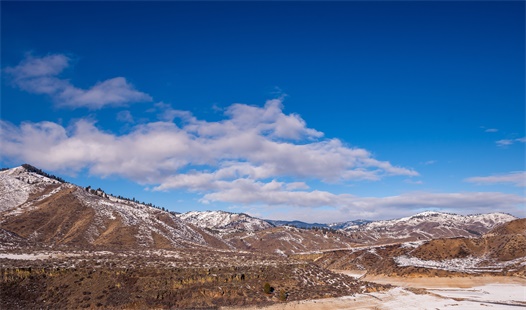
69, 216
504, 243
510, 228
289, 240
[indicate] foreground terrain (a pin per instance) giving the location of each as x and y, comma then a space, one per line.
166, 279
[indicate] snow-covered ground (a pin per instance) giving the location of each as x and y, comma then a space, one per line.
499, 296
490, 293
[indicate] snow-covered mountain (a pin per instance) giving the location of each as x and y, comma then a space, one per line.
224, 222
425, 226
43, 210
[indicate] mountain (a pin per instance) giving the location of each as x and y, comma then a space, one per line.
425, 226
224, 222
39, 208
48, 212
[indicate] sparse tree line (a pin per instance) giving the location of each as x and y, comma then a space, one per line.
42, 173
99, 192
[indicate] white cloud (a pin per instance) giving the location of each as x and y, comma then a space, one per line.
517, 178
347, 207
255, 143
32, 67
39, 75
491, 130
507, 142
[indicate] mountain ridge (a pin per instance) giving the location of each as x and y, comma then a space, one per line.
93, 218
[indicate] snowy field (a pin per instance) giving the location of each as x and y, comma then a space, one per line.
490, 293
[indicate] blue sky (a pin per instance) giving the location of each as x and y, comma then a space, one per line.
287, 110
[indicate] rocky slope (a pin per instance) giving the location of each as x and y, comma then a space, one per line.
43, 211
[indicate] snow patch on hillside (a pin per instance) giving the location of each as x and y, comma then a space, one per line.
17, 184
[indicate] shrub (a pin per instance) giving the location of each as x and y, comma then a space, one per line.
267, 288
282, 295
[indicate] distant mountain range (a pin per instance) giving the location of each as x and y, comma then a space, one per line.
37, 208
335, 226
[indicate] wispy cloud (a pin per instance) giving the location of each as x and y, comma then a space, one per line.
39, 75
409, 181
125, 116
507, 142
491, 130
430, 162
517, 178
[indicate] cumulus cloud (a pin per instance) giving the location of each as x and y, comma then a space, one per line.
252, 143
39, 75
517, 178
